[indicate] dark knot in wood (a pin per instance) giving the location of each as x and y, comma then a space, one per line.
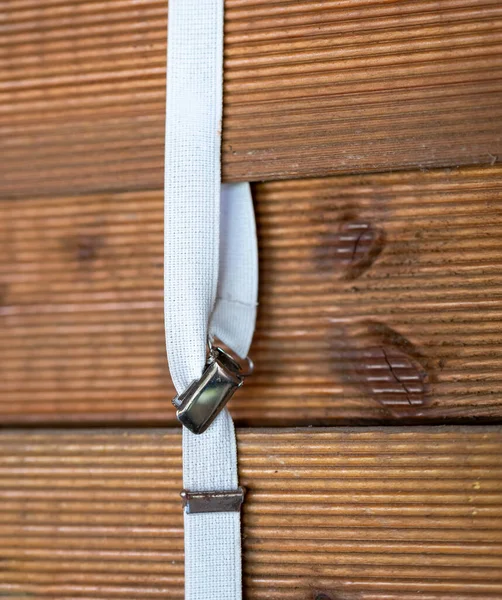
352, 249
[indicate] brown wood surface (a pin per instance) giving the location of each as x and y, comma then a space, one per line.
380, 300
390, 514
311, 88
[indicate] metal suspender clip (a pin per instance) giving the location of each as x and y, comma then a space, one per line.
201, 402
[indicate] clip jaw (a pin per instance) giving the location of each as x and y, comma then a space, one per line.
202, 401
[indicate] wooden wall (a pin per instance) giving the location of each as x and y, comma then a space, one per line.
380, 300
311, 89
373, 130
331, 514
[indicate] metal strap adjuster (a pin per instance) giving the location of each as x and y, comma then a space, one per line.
200, 403
204, 502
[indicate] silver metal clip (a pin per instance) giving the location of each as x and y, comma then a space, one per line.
200, 403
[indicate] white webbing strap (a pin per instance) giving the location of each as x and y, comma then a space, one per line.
210, 283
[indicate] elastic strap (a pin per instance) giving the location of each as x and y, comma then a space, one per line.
210, 282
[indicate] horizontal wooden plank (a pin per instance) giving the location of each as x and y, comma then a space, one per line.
394, 514
381, 299
311, 88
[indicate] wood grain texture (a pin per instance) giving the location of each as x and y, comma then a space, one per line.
380, 300
311, 88
391, 514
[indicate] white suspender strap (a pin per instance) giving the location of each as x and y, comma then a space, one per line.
210, 288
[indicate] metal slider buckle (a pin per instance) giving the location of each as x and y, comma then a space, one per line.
201, 402
204, 502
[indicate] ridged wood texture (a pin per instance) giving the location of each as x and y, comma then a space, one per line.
311, 88
380, 299
385, 514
